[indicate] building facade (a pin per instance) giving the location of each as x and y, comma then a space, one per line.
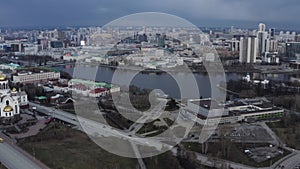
210, 112
10, 102
262, 38
29, 77
248, 49
292, 50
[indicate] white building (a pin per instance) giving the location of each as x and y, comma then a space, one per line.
10, 101
271, 58
30, 77
271, 45
248, 49
91, 89
234, 45
262, 36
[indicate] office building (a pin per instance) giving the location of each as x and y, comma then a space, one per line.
272, 33
292, 50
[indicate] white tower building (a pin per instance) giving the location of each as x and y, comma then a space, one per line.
248, 49
262, 37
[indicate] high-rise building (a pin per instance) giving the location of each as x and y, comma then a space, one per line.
235, 45
261, 27
262, 37
272, 33
56, 44
248, 49
297, 38
271, 45
293, 50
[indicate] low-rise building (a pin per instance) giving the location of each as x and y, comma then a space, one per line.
91, 88
28, 76
10, 66
271, 58
210, 112
295, 65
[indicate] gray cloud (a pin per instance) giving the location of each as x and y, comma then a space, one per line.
200, 12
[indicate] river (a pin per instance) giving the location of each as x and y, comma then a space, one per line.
164, 81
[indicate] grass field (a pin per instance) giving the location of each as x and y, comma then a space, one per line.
61, 147
165, 160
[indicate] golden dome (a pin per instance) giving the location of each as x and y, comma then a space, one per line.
2, 77
8, 109
14, 90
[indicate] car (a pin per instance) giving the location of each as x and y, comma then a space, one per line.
1, 140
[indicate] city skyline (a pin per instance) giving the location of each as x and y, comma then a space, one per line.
132, 84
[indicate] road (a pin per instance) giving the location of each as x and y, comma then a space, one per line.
217, 163
153, 114
14, 157
291, 162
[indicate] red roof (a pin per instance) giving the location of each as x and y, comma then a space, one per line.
99, 90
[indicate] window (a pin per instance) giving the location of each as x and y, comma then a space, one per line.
16, 109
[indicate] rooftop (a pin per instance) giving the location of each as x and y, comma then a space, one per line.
91, 83
250, 111
207, 103
36, 70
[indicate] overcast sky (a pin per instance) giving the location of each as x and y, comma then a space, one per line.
221, 13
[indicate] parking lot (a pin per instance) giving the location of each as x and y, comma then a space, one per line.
251, 133
261, 154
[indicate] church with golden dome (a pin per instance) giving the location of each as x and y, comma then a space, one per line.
10, 101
